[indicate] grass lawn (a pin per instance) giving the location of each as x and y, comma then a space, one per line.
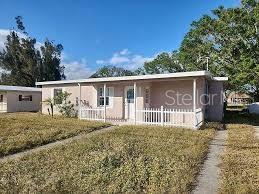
20, 131
240, 167
237, 117
128, 159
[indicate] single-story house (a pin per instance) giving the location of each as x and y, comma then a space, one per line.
175, 99
19, 99
238, 98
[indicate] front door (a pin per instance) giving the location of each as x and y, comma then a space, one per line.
129, 102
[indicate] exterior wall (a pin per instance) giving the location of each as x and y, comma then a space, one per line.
4, 93
116, 108
14, 105
89, 97
88, 93
158, 96
215, 109
46, 93
165, 94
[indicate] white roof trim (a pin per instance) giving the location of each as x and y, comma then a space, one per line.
19, 88
223, 79
128, 78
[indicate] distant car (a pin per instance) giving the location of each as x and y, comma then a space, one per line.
254, 108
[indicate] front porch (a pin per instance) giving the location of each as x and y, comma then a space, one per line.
150, 116
144, 104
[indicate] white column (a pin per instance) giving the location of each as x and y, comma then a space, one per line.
162, 115
135, 103
80, 105
194, 101
104, 95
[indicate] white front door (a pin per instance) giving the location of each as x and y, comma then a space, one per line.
129, 102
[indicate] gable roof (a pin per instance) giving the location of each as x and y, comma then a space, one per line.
138, 77
19, 88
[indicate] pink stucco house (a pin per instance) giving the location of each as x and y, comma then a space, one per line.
174, 99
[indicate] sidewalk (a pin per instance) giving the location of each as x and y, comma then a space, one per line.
256, 131
208, 180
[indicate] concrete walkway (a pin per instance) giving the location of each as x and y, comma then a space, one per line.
208, 180
256, 131
56, 143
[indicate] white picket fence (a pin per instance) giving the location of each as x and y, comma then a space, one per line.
96, 114
199, 117
3, 107
153, 116
166, 117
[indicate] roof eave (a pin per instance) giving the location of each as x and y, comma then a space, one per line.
129, 78
222, 79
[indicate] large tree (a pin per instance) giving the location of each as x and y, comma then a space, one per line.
164, 63
111, 71
24, 64
228, 39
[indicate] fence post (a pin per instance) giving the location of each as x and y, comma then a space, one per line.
80, 104
135, 103
104, 94
80, 112
162, 115
194, 102
194, 122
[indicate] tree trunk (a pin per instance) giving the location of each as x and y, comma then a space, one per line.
51, 107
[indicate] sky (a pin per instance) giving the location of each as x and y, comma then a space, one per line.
124, 33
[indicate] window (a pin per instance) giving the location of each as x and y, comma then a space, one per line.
1, 98
109, 94
56, 93
147, 95
130, 95
25, 98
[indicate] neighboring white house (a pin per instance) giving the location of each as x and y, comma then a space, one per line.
19, 99
238, 99
174, 99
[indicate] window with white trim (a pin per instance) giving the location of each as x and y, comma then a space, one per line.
1, 98
109, 95
56, 92
25, 98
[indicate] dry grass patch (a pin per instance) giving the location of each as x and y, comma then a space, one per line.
20, 131
240, 167
129, 159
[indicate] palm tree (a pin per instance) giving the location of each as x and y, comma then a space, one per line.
50, 101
